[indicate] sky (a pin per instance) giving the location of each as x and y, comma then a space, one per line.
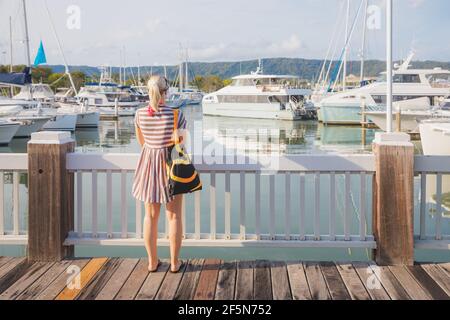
95, 32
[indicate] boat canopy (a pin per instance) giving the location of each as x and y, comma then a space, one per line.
16, 79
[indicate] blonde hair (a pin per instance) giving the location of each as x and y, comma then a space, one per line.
157, 87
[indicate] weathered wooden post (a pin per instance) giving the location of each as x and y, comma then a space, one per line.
393, 208
51, 193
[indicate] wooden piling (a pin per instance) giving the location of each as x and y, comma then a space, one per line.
393, 199
51, 196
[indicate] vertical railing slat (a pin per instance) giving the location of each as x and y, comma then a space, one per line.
258, 205
439, 207
94, 204
2, 203
198, 207
317, 207
362, 221
242, 212
347, 206
302, 207
272, 206
109, 200
287, 217
228, 205
16, 201
123, 204
423, 205
212, 208
80, 204
332, 221
138, 219
183, 217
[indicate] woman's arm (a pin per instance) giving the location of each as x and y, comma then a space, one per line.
139, 136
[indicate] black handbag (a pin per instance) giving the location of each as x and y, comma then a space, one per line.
183, 178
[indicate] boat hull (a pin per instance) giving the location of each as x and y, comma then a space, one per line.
7, 132
435, 141
88, 120
409, 121
249, 110
62, 122
340, 114
30, 125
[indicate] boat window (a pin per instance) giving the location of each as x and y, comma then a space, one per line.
242, 83
445, 105
441, 80
243, 99
406, 78
381, 99
278, 99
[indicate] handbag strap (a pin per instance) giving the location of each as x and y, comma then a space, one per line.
175, 126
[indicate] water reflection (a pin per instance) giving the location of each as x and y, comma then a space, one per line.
344, 139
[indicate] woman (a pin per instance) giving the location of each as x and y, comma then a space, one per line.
154, 131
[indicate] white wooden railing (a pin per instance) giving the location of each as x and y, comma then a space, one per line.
433, 216
264, 215
13, 199
240, 226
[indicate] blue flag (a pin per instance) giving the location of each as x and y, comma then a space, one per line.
40, 57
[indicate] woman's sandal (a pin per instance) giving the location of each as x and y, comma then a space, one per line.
157, 267
180, 264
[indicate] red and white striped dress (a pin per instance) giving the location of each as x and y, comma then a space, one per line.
151, 180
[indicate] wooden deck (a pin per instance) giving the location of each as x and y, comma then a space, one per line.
126, 279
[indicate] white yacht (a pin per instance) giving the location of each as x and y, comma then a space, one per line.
411, 112
8, 130
409, 84
435, 136
86, 118
103, 97
187, 97
38, 92
262, 97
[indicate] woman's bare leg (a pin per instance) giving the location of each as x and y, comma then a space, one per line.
151, 233
173, 211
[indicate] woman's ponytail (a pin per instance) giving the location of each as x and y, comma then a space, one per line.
157, 87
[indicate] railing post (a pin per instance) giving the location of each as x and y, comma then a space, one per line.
51, 196
393, 220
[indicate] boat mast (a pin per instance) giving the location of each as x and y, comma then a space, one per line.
66, 66
11, 52
27, 38
363, 48
186, 78
344, 73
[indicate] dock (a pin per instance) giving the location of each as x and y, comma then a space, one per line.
199, 279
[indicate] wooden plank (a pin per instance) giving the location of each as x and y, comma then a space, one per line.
207, 282
226, 281
134, 282
316, 282
153, 282
438, 275
11, 272
188, 284
170, 284
427, 283
97, 283
4, 260
262, 285
336, 285
86, 275
244, 280
371, 282
44, 281
59, 284
298, 281
390, 283
280, 281
445, 267
352, 281
115, 283
393, 214
414, 290
27, 279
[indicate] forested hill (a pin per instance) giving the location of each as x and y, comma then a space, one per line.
306, 69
